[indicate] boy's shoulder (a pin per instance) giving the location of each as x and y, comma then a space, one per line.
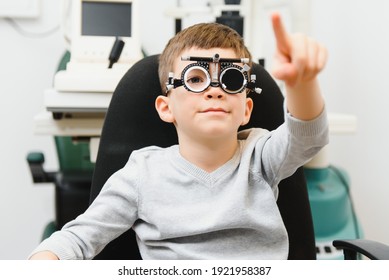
152, 152
255, 132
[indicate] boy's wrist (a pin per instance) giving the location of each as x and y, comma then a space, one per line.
304, 100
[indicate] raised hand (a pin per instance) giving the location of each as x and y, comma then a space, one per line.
298, 58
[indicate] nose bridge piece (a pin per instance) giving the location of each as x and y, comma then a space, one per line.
215, 84
214, 71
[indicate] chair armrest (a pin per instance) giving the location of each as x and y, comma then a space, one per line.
35, 162
372, 249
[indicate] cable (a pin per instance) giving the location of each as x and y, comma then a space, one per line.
30, 34
116, 51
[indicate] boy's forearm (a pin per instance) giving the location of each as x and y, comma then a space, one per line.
44, 255
304, 100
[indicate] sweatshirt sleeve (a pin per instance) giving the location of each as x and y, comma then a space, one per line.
112, 213
292, 145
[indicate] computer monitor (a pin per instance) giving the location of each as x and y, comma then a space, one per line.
97, 23
100, 18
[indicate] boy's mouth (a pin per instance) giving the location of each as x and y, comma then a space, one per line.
214, 110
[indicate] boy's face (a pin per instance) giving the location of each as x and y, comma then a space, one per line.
209, 114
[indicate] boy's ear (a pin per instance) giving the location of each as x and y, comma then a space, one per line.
163, 109
249, 109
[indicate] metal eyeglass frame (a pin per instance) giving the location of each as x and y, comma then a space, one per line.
226, 65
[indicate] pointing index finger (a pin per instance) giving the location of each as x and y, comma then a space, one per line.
281, 35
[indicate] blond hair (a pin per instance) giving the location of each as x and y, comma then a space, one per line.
203, 36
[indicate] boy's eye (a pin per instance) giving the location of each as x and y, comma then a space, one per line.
195, 80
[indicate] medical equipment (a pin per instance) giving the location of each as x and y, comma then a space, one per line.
96, 27
196, 76
332, 207
232, 17
104, 43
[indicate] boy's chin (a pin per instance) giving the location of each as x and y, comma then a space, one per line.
217, 132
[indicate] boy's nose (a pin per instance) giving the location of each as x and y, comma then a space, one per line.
214, 92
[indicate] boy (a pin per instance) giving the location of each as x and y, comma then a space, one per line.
213, 196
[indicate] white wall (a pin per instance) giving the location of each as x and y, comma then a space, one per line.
354, 82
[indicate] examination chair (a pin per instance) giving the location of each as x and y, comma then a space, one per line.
71, 182
132, 123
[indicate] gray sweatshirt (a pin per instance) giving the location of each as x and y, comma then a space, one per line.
179, 211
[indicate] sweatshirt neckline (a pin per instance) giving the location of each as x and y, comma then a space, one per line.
201, 174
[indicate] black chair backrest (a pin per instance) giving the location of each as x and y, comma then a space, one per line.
132, 123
